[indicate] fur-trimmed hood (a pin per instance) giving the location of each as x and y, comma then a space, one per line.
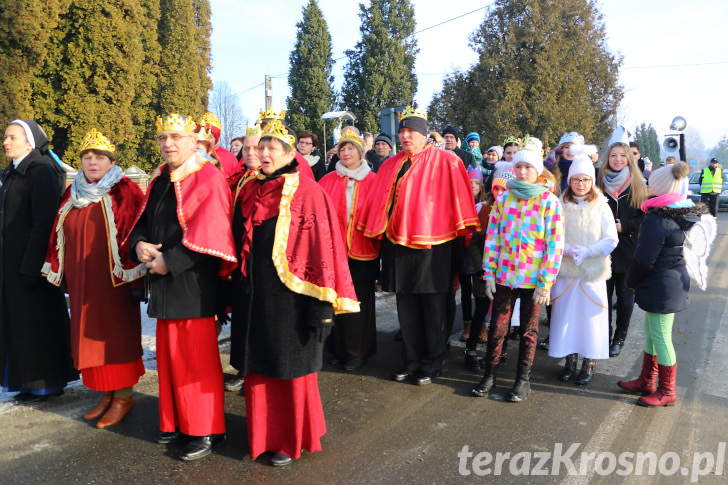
684, 217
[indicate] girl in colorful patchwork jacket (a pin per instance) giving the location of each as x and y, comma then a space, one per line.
523, 249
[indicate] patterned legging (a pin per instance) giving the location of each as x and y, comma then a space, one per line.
658, 337
503, 302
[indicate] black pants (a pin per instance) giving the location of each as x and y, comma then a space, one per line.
625, 304
423, 319
500, 324
466, 293
481, 310
711, 200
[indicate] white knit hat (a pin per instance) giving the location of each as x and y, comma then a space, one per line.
572, 137
582, 164
530, 152
669, 179
498, 149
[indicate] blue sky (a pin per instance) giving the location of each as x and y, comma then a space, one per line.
675, 53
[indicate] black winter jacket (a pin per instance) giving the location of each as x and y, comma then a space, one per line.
631, 219
658, 272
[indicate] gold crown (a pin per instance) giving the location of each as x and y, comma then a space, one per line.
512, 139
410, 111
275, 129
94, 140
350, 136
270, 114
209, 119
175, 122
254, 130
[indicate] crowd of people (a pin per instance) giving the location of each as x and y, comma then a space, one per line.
288, 246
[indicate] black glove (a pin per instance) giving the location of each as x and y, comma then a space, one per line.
223, 299
138, 296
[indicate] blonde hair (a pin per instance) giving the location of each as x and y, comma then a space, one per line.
590, 196
638, 189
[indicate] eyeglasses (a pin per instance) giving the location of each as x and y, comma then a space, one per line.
576, 181
636, 154
173, 136
304, 142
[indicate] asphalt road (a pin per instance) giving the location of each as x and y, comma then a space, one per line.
382, 431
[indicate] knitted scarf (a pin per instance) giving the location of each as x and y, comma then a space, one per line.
84, 192
524, 190
616, 182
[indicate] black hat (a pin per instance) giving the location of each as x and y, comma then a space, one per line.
449, 129
713, 160
383, 137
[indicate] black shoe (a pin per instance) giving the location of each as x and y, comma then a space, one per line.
354, 364
166, 438
279, 459
587, 372
334, 361
235, 384
515, 334
616, 347
544, 344
569, 368
472, 361
28, 398
487, 383
398, 336
522, 387
422, 379
199, 447
401, 375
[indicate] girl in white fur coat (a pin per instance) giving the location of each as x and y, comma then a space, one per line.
579, 316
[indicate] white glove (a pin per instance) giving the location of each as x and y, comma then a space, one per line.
582, 254
542, 296
490, 289
572, 251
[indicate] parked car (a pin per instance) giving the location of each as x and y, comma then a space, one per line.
694, 189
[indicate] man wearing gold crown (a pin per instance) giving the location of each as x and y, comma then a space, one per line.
208, 134
183, 235
420, 203
293, 276
86, 251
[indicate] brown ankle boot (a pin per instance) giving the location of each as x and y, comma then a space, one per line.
116, 412
483, 337
103, 405
466, 331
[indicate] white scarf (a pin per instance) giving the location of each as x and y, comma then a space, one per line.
84, 192
353, 175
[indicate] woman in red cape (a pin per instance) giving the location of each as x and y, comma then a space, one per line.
86, 251
293, 277
354, 337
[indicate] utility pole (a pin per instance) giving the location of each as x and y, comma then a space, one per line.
268, 93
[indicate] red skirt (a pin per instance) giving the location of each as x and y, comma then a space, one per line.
283, 415
111, 377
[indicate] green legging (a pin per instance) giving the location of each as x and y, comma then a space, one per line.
658, 337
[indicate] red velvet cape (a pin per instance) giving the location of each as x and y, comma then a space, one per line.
359, 247
228, 162
204, 209
308, 250
433, 202
120, 207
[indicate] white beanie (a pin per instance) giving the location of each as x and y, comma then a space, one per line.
498, 149
582, 164
530, 152
669, 179
572, 137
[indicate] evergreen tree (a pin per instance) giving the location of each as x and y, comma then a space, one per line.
720, 151
90, 77
309, 77
543, 69
184, 62
147, 156
646, 136
381, 68
25, 29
